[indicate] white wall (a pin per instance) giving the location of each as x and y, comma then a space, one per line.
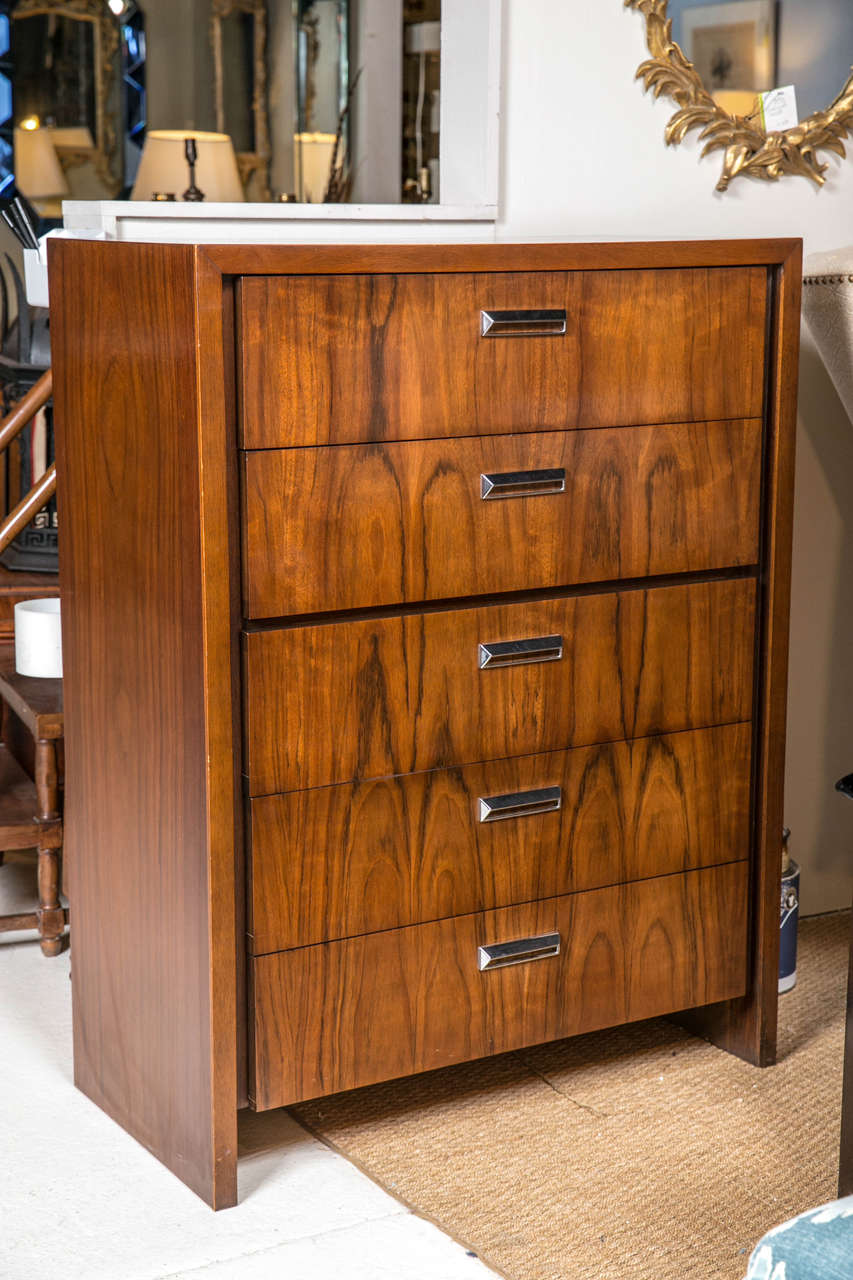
583, 157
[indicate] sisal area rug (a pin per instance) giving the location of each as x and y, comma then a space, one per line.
635, 1154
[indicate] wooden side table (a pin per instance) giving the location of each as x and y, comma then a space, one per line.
31, 773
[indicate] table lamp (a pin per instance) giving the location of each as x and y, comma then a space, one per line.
163, 169
314, 157
38, 173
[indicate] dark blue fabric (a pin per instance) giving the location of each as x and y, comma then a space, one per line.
817, 1245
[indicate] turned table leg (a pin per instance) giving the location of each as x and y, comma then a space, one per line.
51, 916
47, 780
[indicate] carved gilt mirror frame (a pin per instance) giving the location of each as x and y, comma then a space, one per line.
747, 149
255, 163
107, 157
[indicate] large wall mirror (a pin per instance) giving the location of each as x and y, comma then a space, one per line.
66, 62
717, 60
359, 101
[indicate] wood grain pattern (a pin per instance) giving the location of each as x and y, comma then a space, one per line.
330, 359
747, 1027
36, 700
444, 259
18, 805
351, 526
365, 698
147, 416
346, 1014
344, 860
220, 600
145, 564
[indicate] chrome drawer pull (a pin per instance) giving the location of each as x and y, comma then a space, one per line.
499, 954
515, 653
522, 484
534, 323
519, 804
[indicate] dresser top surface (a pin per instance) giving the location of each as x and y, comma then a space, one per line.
273, 259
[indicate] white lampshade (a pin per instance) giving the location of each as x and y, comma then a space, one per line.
71, 138
38, 173
163, 167
314, 156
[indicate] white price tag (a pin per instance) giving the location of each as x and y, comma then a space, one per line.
779, 109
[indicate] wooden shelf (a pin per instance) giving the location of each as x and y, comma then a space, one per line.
18, 827
37, 701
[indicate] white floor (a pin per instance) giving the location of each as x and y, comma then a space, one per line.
80, 1200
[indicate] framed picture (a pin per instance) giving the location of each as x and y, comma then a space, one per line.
732, 45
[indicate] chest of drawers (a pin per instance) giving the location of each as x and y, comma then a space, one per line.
425, 619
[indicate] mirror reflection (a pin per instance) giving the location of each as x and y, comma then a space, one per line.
55, 72
744, 47
314, 100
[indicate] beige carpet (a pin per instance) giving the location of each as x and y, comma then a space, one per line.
640, 1152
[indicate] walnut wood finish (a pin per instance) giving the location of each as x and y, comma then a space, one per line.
17, 805
351, 526
51, 917
36, 700
445, 259
32, 733
25, 409
144, 347
747, 1027
344, 860
29, 506
230, 860
142, 460
27, 821
330, 359
388, 1004
360, 699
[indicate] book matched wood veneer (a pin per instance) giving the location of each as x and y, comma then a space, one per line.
350, 1013
419, 847
396, 356
371, 553
341, 700
350, 526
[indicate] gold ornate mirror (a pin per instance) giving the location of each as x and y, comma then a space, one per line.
737, 52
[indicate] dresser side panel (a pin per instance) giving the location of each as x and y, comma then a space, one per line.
149, 1007
748, 1027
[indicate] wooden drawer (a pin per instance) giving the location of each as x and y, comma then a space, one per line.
383, 1005
361, 699
337, 359
338, 861
350, 526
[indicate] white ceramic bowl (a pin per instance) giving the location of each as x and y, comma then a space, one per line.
38, 638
